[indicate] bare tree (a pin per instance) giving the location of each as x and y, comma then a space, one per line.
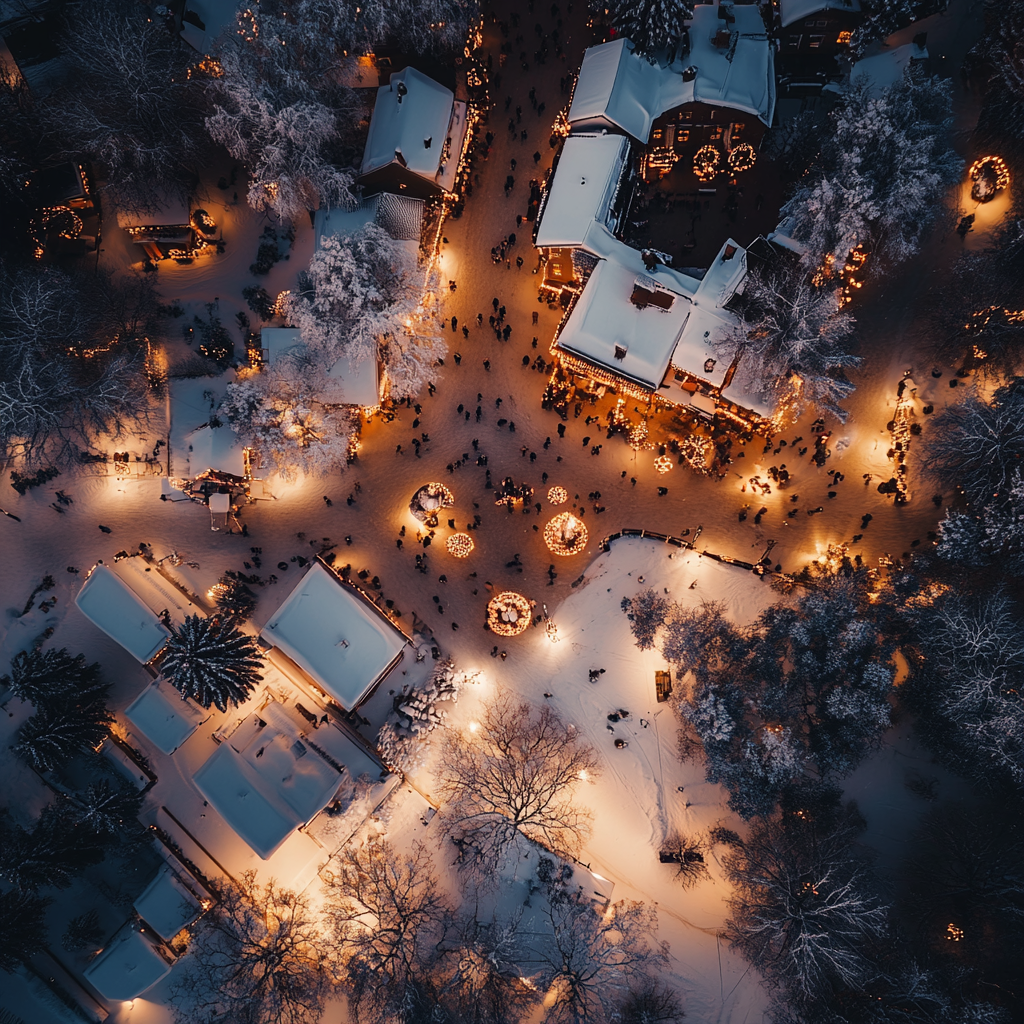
593, 957
802, 912
515, 777
389, 915
259, 955
687, 853
651, 1002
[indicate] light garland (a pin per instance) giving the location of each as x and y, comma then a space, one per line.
705, 163
428, 502
990, 176
695, 449
508, 614
459, 545
638, 437
742, 158
558, 495
663, 464
565, 535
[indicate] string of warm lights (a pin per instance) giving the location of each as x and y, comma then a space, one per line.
742, 158
558, 495
459, 545
508, 614
565, 535
705, 162
990, 176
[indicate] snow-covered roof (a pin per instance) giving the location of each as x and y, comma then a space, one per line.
583, 190
128, 966
275, 783
636, 322
618, 87
167, 905
797, 10
216, 16
276, 341
150, 585
217, 449
400, 216
353, 382
335, 635
410, 123
171, 211
886, 69
109, 603
164, 717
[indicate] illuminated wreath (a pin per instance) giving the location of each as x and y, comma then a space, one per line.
705, 162
742, 158
565, 535
459, 545
558, 495
428, 502
663, 464
990, 176
508, 614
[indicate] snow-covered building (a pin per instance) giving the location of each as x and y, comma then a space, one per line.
587, 188
215, 450
333, 637
127, 966
170, 230
168, 904
400, 216
416, 140
650, 330
722, 88
163, 717
112, 605
882, 71
821, 27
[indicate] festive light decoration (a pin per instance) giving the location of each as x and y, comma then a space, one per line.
638, 437
428, 502
508, 614
558, 495
459, 545
695, 449
663, 464
552, 631
565, 535
954, 934
742, 158
990, 176
705, 163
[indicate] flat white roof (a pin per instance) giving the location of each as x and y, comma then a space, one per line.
584, 186
127, 967
279, 340
167, 905
275, 783
170, 212
353, 382
411, 117
797, 10
109, 603
164, 717
155, 590
617, 86
215, 448
333, 634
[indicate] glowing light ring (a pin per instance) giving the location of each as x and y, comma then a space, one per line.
558, 495
459, 545
663, 464
990, 176
705, 163
429, 500
508, 614
742, 158
565, 535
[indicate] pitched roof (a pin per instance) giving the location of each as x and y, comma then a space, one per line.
796, 10
109, 603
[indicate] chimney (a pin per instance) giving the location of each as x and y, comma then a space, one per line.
427, 143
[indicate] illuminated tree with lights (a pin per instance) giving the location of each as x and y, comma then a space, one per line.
211, 662
514, 777
258, 955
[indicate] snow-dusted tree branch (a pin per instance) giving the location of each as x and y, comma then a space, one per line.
515, 776
258, 955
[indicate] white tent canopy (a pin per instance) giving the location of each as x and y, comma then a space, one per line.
167, 905
335, 635
583, 190
164, 718
128, 966
109, 603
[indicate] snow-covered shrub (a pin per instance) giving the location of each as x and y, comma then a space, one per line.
646, 612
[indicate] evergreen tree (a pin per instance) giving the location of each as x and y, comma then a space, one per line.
83, 932
652, 26
22, 928
51, 738
110, 811
212, 663
51, 679
235, 598
56, 851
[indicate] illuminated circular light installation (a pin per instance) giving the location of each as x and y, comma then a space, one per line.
429, 501
565, 535
663, 464
459, 545
742, 158
990, 176
558, 495
705, 163
508, 614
